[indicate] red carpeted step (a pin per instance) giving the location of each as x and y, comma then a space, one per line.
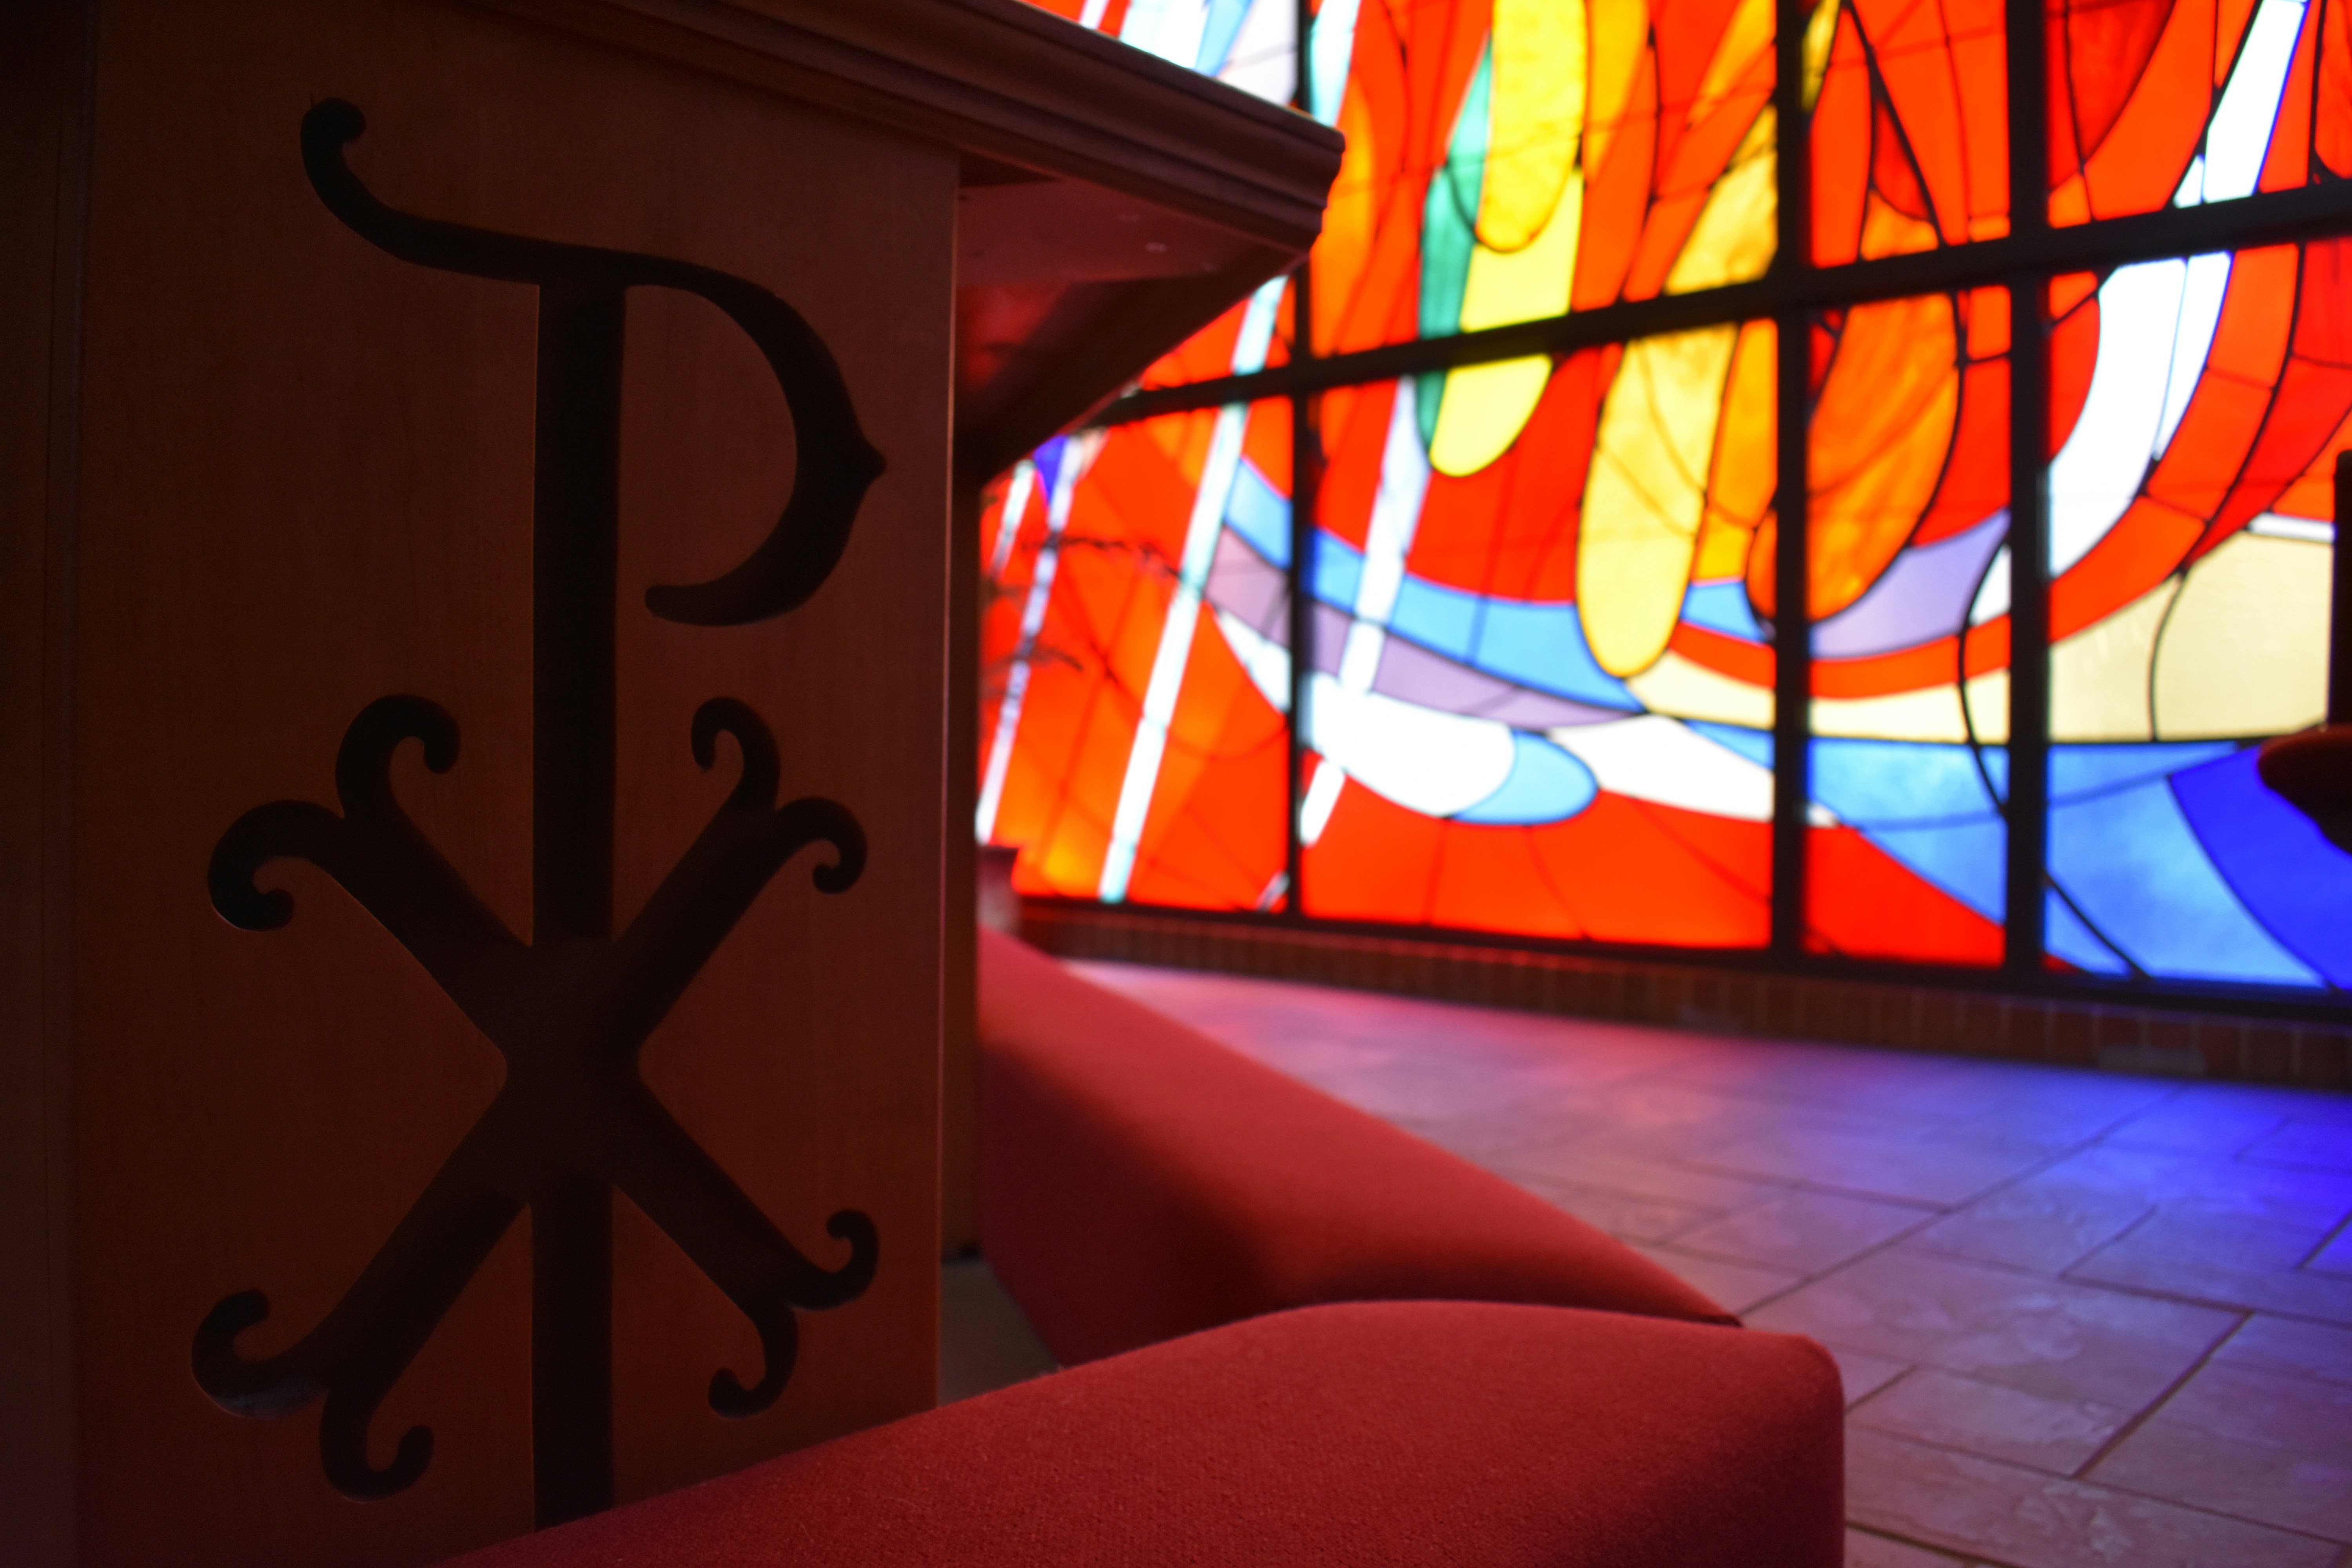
1139, 1181
1405, 1434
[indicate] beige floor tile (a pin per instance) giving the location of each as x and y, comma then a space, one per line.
2255, 1444
1805, 1231
1737, 1287
1865, 1376
1863, 1550
2303, 1104
2269, 1192
1622, 1216
1578, 1164
1412, 1091
1874, 1164
2054, 1110
1655, 1118
2059, 1435
2043, 1224
2015, 1515
2049, 1337
2152, 1265
2225, 1236
2191, 1128
2318, 1145
2290, 1346
1492, 1138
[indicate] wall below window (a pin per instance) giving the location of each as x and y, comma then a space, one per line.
2062, 1031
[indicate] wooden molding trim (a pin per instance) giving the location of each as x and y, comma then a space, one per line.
1007, 81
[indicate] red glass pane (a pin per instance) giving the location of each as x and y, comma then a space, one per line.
1910, 129
1130, 747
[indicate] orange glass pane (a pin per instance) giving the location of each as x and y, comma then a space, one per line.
1127, 757
2176, 102
1910, 129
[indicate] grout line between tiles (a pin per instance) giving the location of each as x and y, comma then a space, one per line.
2208, 1304
2326, 1242
1964, 1559
1926, 1219
2123, 1433
2027, 1173
2182, 1504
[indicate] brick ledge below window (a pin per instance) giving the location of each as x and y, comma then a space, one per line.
2061, 1031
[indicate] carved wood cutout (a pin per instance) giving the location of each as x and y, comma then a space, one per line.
570, 1009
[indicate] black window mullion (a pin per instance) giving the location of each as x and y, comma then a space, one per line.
1306, 451
2269, 217
1306, 465
2028, 805
1792, 667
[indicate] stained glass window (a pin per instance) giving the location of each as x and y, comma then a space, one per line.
1541, 703
1253, 335
1909, 507
1550, 689
2190, 617
1910, 125
2158, 102
1134, 673
1251, 44
1510, 160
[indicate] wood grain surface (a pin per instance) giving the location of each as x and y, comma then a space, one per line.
305, 482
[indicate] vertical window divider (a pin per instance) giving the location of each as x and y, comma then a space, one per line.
1792, 670
1305, 464
1306, 455
2027, 806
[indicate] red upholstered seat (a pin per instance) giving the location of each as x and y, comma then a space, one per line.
1402, 1434
1139, 1181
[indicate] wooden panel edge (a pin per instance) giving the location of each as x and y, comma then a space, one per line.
45, 91
960, 1037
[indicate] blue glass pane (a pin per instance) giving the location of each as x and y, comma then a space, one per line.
2129, 861
2070, 939
1926, 805
1722, 608
2285, 870
1338, 570
2079, 771
1968, 861
1445, 619
1868, 783
1260, 514
1544, 646
1545, 784
1756, 745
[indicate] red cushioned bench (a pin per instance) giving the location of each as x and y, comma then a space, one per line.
1138, 1181
1411, 1434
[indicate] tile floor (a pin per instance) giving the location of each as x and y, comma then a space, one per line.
2085, 1319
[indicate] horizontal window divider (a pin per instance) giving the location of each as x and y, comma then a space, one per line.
2271, 217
